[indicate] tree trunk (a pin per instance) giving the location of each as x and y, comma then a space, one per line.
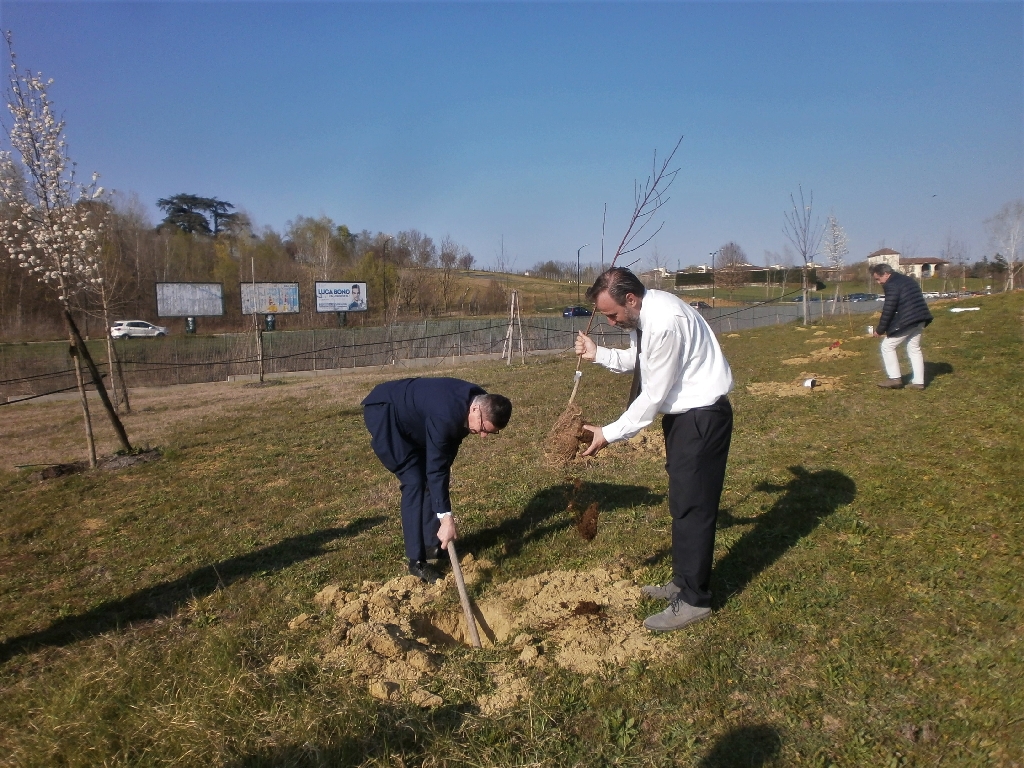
110, 356
74, 351
805, 292
121, 379
259, 350
115, 422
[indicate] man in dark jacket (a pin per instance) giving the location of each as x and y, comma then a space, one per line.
416, 427
904, 316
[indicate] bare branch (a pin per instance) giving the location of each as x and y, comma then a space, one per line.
804, 233
647, 202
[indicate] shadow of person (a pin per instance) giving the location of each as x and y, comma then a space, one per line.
750, 746
389, 731
546, 512
932, 371
163, 599
807, 499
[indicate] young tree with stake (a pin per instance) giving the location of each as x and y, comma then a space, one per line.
52, 234
805, 235
1007, 228
836, 250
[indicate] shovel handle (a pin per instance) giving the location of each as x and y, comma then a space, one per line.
463, 597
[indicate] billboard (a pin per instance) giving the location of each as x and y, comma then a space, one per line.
189, 299
341, 297
270, 298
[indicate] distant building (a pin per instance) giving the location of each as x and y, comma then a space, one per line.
920, 267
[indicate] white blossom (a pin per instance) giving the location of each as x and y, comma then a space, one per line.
47, 227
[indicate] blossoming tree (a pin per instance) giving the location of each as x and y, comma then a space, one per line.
836, 250
51, 230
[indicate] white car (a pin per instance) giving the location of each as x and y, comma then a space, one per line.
126, 329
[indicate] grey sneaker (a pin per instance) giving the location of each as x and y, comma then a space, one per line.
664, 592
676, 616
891, 384
915, 386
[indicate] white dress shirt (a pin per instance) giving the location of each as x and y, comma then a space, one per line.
681, 364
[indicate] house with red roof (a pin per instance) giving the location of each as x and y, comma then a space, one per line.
919, 267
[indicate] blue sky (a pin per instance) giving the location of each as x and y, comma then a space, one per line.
520, 121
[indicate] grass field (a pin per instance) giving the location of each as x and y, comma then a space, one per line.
867, 580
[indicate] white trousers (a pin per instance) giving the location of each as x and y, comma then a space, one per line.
912, 336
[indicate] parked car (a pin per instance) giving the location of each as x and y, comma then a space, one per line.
576, 311
856, 297
700, 305
130, 329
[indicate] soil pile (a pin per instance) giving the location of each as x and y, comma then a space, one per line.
798, 387
651, 440
107, 464
831, 352
392, 637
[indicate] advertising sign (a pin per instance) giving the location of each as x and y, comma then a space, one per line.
270, 298
341, 297
189, 299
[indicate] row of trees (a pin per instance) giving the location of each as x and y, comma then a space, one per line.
564, 271
412, 274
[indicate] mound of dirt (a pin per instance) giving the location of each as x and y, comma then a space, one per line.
830, 352
564, 440
391, 637
109, 463
797, 387
647, 441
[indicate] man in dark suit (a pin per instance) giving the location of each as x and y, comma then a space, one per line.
904, 316
416, 427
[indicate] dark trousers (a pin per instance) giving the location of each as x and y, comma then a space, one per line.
697, 449
407, 461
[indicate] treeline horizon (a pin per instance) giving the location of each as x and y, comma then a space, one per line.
408, 275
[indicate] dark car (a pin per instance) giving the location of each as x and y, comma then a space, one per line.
700, 305
576, 311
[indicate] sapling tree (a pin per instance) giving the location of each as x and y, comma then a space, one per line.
804, 232
836, 250
55, 220
1007, 229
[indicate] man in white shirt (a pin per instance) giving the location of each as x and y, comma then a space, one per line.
679, 371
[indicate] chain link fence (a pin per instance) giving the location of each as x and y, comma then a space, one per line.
35, 369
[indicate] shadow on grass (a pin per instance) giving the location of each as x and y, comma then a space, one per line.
394, 733
546, 513
932, 371
808, 498
751, 746
163, 599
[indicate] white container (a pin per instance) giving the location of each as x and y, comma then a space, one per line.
871, 330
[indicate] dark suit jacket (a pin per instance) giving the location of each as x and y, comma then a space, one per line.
904, 305
426, 419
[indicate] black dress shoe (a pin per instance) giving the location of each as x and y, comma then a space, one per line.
433, 553
424, 571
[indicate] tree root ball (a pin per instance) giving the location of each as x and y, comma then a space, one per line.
565, 438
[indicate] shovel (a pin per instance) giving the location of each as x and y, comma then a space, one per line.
463, 597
